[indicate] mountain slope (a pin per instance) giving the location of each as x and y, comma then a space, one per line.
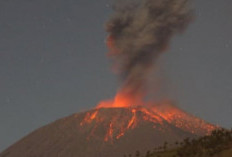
108, 132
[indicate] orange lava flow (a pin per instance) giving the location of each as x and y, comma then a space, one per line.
183, 120
117, 125
134, 112
132, 121
109, 134
120, 135
89, 117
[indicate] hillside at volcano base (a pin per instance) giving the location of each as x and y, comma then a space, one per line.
110, 132
217, 144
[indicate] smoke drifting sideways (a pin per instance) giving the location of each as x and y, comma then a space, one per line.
139, 31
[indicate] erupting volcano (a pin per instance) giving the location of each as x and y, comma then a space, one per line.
110, 132
160, 117
139, 32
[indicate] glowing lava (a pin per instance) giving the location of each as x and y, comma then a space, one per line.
132, 121
122, 100
159, 116
136, 112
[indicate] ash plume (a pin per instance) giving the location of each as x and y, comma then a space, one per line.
139, 31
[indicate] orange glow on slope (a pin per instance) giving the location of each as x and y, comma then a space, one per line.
117, 125
149, 116
120, 135
93, 116
177, 117
132, 121
89, 117
109, 134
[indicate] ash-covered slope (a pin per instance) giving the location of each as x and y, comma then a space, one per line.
108, 132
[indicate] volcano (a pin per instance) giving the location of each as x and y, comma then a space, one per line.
110, 132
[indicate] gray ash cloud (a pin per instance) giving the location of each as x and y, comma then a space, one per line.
140, 31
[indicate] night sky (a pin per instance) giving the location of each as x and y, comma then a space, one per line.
53, 63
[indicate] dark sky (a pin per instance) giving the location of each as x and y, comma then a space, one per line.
53, 64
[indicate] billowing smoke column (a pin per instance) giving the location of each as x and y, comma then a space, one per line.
139, 31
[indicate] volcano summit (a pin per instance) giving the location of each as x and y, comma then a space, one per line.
110, 132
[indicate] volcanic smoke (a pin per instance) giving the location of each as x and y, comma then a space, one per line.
139, 31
